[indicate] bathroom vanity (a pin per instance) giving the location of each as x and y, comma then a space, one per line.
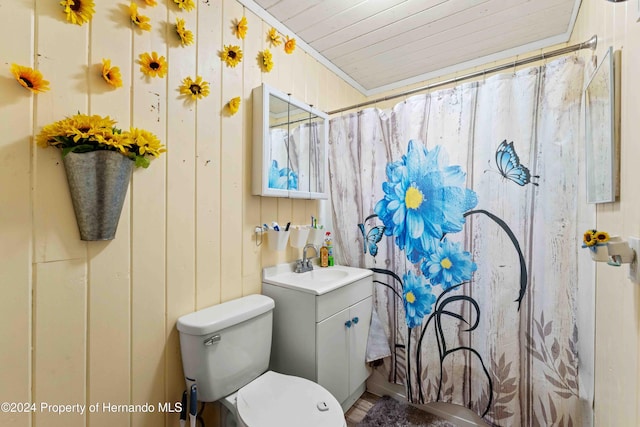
320, 326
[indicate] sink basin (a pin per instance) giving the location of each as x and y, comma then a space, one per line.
317, 281
321, 275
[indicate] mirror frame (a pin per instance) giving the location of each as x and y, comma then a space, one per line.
602, 130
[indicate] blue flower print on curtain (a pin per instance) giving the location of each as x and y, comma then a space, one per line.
424, 199
448, 265
418, 298
284, 178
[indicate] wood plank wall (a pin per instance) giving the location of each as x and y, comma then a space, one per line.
95, 322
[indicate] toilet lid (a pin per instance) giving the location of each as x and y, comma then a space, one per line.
277, 400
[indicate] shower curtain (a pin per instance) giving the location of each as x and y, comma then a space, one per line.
467, 203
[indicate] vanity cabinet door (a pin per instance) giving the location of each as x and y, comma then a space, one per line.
358, 335
332, 350
341, 342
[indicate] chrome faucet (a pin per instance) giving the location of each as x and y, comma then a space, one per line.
304, 264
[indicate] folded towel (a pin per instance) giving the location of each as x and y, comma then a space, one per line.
377, 342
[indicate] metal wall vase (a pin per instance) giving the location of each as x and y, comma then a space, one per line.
98, 183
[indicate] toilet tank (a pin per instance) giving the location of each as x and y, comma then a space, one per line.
226, 346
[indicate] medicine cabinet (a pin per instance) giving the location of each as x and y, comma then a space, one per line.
289, 146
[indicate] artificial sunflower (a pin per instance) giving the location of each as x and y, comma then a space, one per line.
273, 37
589, 238
30, 78
143, 142
186, 36
186, 5
289, 45
234, 105
196, 89
266, 60
140, 20
152, 65
241, 27
601, 236
78, 11
151, 2
111, 74
232, 55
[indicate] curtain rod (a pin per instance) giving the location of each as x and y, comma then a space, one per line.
589, 44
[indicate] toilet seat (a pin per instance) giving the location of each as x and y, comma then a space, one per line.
277, 400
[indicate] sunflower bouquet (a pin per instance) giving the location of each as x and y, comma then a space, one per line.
82, 133
593, 238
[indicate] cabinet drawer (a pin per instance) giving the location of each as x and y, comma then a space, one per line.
335, 301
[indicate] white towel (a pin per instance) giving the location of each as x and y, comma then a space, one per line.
377, 342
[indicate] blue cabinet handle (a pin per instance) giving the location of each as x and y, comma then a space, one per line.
355, 320
347, 323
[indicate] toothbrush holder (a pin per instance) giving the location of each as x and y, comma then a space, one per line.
316, 236
299, 236
277, 240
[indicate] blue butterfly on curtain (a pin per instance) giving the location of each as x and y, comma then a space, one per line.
371, 237
509, 165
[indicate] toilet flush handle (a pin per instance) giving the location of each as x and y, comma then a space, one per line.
212, 340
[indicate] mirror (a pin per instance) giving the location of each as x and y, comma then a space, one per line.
601, 131
290, 145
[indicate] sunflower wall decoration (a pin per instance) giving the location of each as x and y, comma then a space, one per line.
240, 28
231, 55
234, 105
194, 89
143, 22
111, 74
186, 5
152, 65
265, 59
289, 45
78, 11
29, 78
186, 36
273, 37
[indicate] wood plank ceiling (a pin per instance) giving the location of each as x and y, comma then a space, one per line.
379, 45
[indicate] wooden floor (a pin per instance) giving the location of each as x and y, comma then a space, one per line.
356, 413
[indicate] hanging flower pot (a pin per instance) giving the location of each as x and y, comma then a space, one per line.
98, 159
98, 183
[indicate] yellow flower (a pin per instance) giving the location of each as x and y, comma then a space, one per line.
78, 11
197, 89
82, 133
186, 36
234, 105
602, 236
152, 65
111, 74
140, 20
289, 45
77, 129
589, 238
150, 2
241, 28
232, 55
274, 38
143, 142
30, 78
266, 60
187, 5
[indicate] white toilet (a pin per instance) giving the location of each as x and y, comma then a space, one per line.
226, 349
